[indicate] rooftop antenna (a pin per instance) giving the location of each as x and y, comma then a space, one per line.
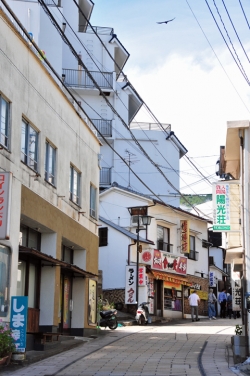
130, 159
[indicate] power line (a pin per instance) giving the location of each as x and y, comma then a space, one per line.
238, 64
88, 73
244, 104
244, 14
235, 31
52, 19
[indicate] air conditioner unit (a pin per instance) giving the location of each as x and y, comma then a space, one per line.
134, 221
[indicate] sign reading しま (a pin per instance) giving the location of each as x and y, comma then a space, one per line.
18, 321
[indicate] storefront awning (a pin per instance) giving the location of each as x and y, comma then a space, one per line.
29, 254
170, 277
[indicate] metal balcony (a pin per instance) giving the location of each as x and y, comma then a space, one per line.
55, 3
100, 30
104, 126
79, 78
165, 247
105, 176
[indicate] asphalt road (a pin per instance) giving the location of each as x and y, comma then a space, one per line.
177, 349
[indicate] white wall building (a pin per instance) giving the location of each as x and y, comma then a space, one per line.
100, 53
170, 275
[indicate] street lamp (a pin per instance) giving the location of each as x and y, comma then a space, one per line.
146, 220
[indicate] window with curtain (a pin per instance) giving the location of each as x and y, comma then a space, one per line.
74, 185
29, 146
92, 210
163, 239
50, 162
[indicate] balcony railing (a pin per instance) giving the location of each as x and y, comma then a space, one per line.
192, 255
150, 126
79, 78
55, 3
104, 126
100, 30
105, 176
165, 247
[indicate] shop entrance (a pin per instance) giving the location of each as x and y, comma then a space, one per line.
159, 290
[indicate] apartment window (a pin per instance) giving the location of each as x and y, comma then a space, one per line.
50, 160
92, 210
29, 145
68, 255
4, 122
163, 239
192, 255
74, 185
30, 238
103, 236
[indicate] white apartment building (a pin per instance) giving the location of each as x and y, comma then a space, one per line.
100, 53
49, 251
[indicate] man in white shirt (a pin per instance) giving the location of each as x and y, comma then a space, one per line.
194, 301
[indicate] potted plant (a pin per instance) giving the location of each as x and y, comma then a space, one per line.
7, 345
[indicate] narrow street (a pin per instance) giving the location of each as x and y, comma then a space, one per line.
183, 348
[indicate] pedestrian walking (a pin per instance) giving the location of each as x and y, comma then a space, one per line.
211, 305
229, 305
194, 302
223, 303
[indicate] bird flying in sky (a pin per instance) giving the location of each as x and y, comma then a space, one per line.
165, 21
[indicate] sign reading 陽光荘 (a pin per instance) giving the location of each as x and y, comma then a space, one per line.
221, 207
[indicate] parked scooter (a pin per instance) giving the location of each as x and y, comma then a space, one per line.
142, 314
108, 318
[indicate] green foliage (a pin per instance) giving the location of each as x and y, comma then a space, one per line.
194, 200
7, 345
238, 330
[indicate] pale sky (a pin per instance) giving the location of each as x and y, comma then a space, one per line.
175, 70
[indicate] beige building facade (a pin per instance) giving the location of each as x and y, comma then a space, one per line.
51, 156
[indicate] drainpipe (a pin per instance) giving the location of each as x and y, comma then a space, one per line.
129, 251
244, 211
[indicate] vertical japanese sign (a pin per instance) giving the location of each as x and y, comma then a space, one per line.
130, 286
142, 276
184, 236
236, 298
221, 207
151, 293
18, 321
211, 279
5, 200
92, 301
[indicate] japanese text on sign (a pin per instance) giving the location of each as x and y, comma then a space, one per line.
130, 288
221, 207
236, 299
18, 321
184, 236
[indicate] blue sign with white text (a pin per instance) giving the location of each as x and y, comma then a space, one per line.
18, 321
